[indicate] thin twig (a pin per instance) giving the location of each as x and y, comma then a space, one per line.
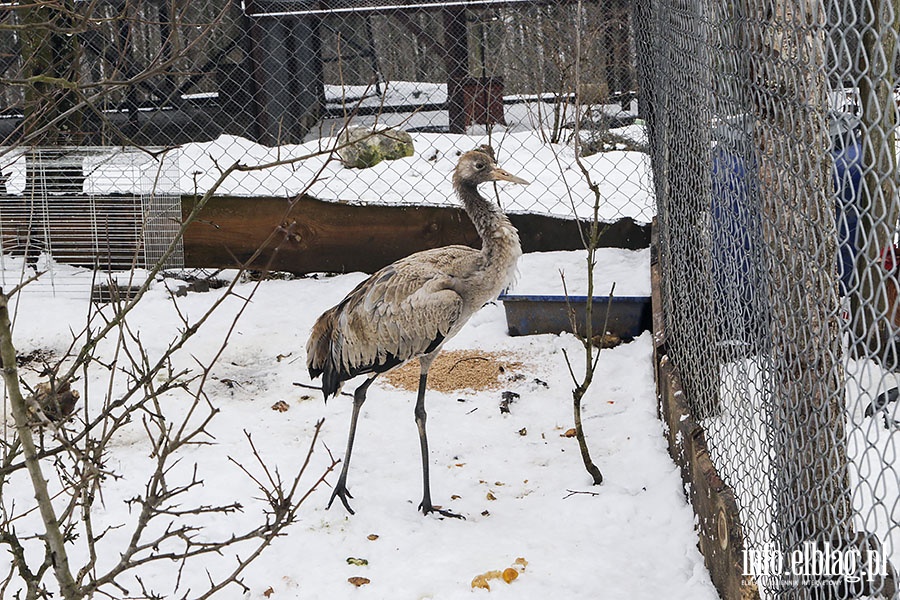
318, 388
575, 493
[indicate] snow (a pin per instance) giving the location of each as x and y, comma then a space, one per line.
522, 146
516, 478
557, 185
631, 537
611, 266
393, 93
741, 450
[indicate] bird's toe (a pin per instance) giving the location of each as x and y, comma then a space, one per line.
430, 508
340, 491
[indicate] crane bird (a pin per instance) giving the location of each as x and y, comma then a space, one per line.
410, 308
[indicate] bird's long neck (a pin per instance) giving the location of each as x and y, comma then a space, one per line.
499, 239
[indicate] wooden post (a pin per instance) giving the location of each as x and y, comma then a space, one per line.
288, 78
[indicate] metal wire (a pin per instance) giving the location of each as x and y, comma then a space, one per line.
772, 139
71, 210
266, 80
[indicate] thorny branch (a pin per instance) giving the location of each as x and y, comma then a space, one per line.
164, 525
53, 535
160, 499
83, 451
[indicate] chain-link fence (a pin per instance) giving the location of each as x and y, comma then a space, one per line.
207, 84
772, 129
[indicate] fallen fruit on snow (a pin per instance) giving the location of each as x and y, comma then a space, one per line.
358, 581
480, 581
508, 575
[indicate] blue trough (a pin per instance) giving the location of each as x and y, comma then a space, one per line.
629, 316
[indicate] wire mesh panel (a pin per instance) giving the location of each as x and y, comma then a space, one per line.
772, 135
68, 211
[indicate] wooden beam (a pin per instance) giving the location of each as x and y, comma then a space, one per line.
317, 236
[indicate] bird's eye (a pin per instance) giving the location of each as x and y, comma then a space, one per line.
479, 166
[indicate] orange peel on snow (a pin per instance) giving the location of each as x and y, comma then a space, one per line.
508, 575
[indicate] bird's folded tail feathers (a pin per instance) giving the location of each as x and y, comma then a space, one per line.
322, 358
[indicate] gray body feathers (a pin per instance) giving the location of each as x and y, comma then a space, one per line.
410, 308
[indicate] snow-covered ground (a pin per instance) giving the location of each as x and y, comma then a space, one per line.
516, 478
741, 448
557, 184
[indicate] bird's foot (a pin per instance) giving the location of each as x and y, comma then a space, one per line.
428, 507
340, 491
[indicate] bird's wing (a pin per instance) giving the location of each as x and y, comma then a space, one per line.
402, 311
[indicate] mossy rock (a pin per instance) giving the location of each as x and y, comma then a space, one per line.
364, 148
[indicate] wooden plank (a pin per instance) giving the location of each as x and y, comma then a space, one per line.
721, 539
76, 230
311, 235
659, 325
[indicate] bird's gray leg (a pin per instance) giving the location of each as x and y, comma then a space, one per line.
340, 490
426, 506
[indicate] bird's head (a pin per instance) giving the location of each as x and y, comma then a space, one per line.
477, 166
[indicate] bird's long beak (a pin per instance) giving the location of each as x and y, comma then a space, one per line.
500, 174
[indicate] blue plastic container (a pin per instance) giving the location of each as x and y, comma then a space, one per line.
736, 225
629, 316
737, 245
